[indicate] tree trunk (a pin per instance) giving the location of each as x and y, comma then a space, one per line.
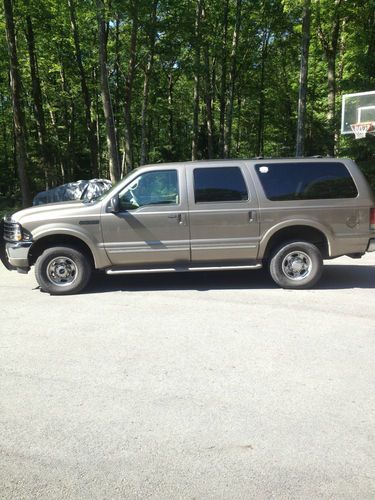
68, 157
197, 63
223, 79
90, 124
232, 81
114, 161
370, 39
302, 97
208, 92
146, 86
170, 115
209, 113
262, 105
238, 136
331, 80
330, 46
262, 96
38, 105
128, 97
18, 116
117, 70
102, 173
5, 137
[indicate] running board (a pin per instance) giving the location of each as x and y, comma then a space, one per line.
181, 269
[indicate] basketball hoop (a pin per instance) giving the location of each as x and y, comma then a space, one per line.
360, 130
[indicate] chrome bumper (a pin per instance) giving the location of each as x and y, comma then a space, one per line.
371, 245
18, 253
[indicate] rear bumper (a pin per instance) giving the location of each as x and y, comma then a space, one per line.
371, 245
18, 254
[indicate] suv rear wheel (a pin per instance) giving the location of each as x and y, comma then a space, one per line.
62, 270
296, 264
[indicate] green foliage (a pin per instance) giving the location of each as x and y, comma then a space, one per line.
368, 169
266, 80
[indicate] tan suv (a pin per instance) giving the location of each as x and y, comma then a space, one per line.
286, 214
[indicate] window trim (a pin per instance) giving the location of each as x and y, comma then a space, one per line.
221, 201
156, 204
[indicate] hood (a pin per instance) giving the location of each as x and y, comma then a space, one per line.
50, 211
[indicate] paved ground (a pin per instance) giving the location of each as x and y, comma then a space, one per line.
206, 386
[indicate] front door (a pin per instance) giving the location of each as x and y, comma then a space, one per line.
151, 227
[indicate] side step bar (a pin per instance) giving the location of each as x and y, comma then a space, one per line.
181, 269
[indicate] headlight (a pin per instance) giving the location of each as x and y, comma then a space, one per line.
13, 231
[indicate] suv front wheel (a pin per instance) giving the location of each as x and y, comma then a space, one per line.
62, 270
296, 264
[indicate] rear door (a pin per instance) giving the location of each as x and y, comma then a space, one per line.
224, 213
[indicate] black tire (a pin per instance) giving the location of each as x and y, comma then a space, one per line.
62, 270
296, 265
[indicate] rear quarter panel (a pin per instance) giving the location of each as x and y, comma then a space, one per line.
345, 222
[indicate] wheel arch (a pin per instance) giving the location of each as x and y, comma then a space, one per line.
60, 239
301, 232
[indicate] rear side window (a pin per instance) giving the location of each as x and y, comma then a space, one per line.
219, 184
306, 181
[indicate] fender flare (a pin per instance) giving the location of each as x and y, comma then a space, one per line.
68, 230
327, 233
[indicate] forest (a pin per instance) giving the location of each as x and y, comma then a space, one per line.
95, 88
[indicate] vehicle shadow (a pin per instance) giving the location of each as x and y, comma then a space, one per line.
335, 277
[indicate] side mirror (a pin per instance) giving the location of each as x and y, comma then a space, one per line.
114, 205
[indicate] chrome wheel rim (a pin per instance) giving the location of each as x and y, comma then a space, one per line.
296, 265
62, 271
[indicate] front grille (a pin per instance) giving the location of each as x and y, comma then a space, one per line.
10, 230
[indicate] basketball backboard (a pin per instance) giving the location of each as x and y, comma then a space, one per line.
357, 108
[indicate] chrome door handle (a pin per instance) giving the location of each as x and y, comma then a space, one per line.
252, 216
178, 217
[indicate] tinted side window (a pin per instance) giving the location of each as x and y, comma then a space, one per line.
306, 181
219, 184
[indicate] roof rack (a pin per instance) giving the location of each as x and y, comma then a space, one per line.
289, 157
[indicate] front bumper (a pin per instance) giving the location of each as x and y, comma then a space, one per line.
18, 254
371, 245
3, 254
